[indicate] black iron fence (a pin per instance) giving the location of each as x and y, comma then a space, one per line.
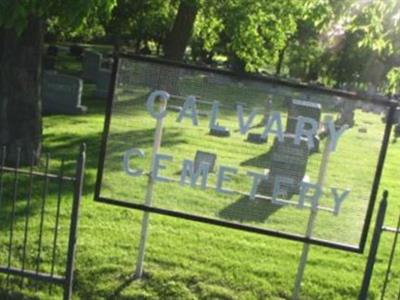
372, 256
38, 221
395, 231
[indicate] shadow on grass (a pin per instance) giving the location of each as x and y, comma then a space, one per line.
264, 160
18, 288
116, 146
124, 285
261, 161
247, 210
150, 286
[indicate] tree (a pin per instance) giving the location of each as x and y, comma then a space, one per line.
178, 38
361, 43
393, 78
249, 33
143, 21
305, 47
22, 27
322, 40
378, 23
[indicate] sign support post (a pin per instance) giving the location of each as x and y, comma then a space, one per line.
313, 214
373, 250
149, 194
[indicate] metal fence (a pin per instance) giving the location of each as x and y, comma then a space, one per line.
388, 273
39, 222
372, 256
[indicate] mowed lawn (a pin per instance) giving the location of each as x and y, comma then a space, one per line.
186, 260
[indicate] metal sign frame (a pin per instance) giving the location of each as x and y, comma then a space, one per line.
382, 101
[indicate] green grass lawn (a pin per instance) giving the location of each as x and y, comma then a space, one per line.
186, 260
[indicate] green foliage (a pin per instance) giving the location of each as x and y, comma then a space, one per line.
251, 31
393, 79
305, 47
314, 40
75, 14
378, 21
141, 20
318, 40
343, 63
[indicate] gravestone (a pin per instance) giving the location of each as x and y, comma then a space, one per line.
338, 103
91, 65
49, 60
306, 109
202, 113
223, 132
52, 50
218, 79
366, 107
287, 101
103, 83
256, 138
76, 51
323, 131
175, 108
167, 79
397, 131
396, 117
146, 76
288, 160
107, 63
61, 94
206, 157
267, 110
347, 114
363, 130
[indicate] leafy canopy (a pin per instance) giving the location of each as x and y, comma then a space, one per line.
69, 13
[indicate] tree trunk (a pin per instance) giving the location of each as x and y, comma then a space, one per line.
137, 46
158, 48
279, 64
20, 82
178, 38
237, 64
116, 39
312, 74
1, 43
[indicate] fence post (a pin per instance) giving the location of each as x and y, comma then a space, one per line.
391, 257
73, 232
369, 268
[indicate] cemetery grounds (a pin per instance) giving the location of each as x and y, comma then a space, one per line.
187, 260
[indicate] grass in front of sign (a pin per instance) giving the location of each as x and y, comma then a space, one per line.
186, 260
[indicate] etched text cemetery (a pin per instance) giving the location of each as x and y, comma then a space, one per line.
309, 193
